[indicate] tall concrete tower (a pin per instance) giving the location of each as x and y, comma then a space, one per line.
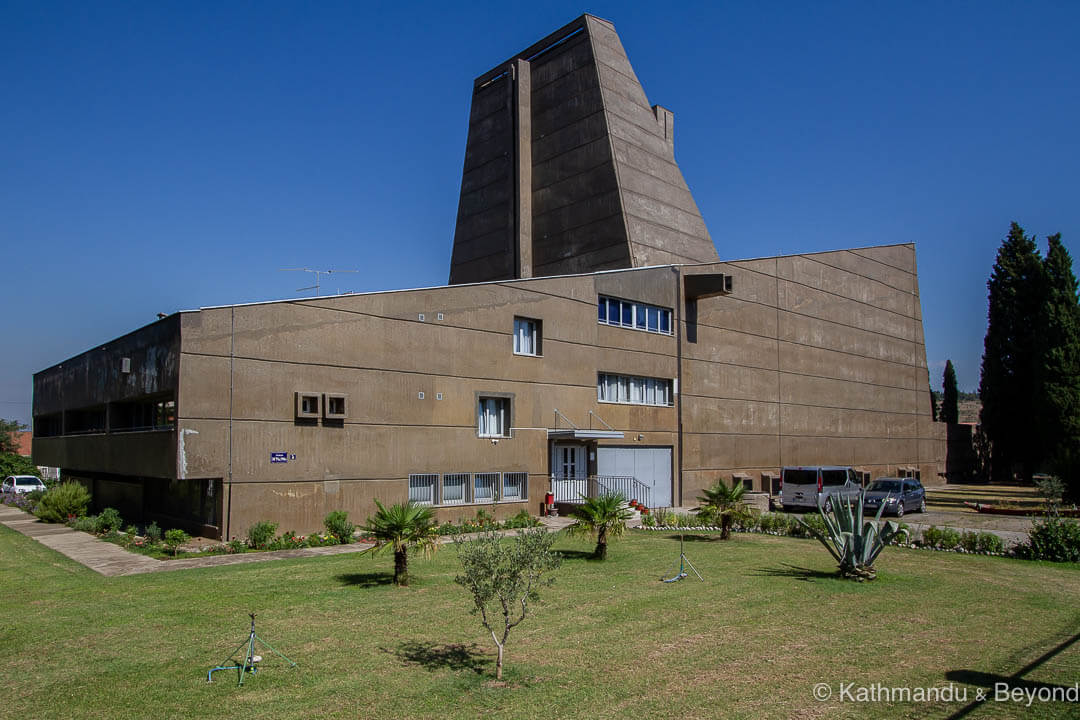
568, 168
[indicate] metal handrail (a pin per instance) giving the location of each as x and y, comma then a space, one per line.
571, 489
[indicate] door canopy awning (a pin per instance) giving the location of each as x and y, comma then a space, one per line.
576, 434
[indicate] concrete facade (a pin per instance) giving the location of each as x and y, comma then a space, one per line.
589, 320
808, 359
569, 169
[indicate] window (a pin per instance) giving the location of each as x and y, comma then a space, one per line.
526, 336
485, 487
422, 489
514, 486
334, 405
453, 488
633, 390
493, 417
628, 314
307, 405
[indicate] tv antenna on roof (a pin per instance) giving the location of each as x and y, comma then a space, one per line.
318, 276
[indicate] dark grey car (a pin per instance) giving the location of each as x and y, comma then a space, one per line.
899, 495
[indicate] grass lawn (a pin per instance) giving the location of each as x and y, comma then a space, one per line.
609, 640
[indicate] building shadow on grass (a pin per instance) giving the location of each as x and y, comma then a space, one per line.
436, 656
989, 683
793, 571
371, 579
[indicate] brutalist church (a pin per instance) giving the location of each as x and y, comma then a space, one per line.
589, 337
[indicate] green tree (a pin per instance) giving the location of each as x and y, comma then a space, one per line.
723, 504
401, 527
9, 442
604, 517
1059, 333
950, 408
503, 577
1008, 380
14, 464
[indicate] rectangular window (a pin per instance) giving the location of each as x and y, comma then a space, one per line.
453, 488
526, 336
334, 405
307, 405
633, 390
515, 486
485, 487
493, 417
422, 489
635, 315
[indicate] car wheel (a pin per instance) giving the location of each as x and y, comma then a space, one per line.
922, 505
900, 509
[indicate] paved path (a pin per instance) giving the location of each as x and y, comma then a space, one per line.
112, 560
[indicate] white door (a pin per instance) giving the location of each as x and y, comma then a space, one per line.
649, 466
569, 466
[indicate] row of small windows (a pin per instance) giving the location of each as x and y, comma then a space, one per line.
635, 315
633, 390
466, 488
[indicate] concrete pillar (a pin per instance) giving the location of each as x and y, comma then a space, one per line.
522, 89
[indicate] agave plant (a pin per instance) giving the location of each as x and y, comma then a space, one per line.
853, 541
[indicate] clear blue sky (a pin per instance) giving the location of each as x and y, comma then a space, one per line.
166, 156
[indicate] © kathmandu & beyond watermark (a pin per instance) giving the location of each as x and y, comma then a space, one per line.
1026, 695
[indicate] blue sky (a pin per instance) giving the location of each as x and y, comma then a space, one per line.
166, 156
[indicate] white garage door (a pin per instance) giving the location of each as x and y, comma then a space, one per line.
650, 466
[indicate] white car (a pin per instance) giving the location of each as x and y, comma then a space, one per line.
21, 484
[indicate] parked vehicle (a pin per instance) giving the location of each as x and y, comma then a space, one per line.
802, 486
898, 494
21, 484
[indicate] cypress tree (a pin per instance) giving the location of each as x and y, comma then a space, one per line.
1059, 334
950, 408
1008, 381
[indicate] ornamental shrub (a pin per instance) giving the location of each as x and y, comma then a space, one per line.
108, 521
153, 532
63, 501
337, 524
175, 538
1053, 538
261, 534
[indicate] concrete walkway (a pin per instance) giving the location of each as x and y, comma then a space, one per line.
112, 560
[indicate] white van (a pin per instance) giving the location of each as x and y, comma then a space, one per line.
802, 486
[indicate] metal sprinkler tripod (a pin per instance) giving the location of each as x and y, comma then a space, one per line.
684, 562
250, 658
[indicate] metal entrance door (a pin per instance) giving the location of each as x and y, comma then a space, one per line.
569, 471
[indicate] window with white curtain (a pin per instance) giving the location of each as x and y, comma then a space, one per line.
633, 390
493, 417
526, 336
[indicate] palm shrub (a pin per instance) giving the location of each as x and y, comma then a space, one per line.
69, 499
723, 505
603, 517
854, 543
337, 524
402, 527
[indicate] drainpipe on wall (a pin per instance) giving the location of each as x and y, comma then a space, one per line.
678, 376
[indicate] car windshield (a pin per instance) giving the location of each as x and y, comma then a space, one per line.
800, 477
892, 486
832, 478
27, 481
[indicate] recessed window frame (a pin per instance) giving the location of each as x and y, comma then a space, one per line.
330, 400
304, 409
483, 414
528, 336
634, 315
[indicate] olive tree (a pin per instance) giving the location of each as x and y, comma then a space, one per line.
503, 577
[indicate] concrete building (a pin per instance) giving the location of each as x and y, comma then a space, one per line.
590, 338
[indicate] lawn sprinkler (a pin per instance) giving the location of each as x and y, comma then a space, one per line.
684, 562
251, 661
